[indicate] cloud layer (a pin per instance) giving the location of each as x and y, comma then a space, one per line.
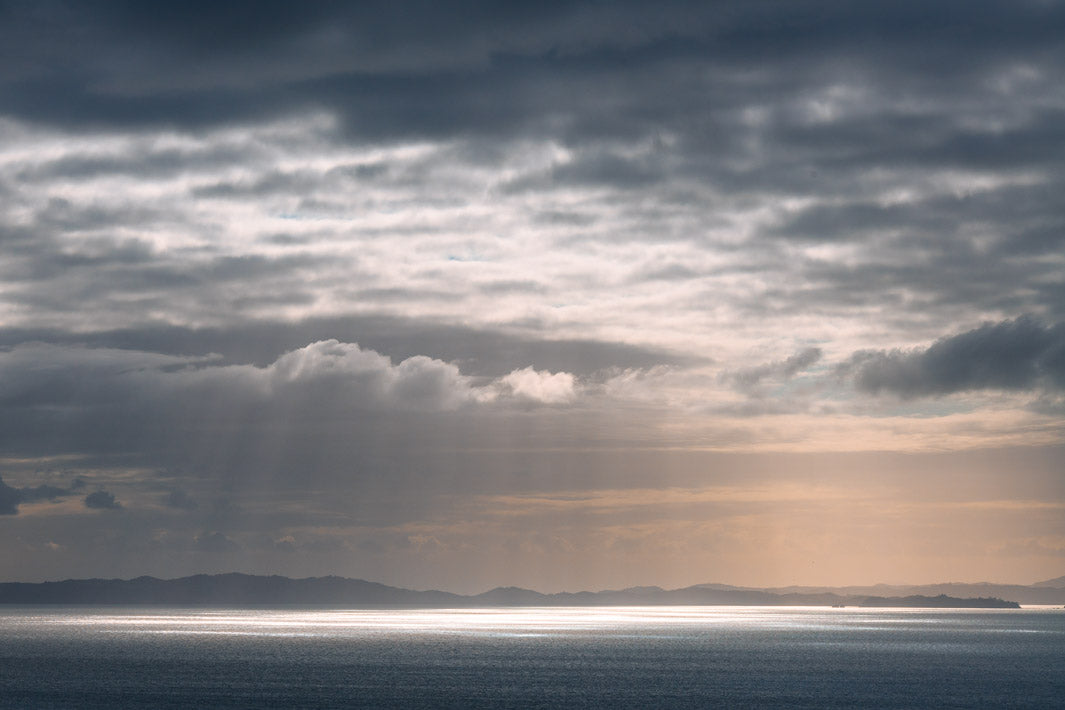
357, 280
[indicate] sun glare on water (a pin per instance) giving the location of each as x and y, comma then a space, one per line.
515, 622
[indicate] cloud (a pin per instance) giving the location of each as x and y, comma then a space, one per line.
1018, 354
179, 499
339, 263
368, 379
11, 498
326, 402
43, 492
216, 542
102, 500
380, 62
783, 369
538, 386
328, 375
481, 351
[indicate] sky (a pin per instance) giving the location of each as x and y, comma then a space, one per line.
561, 295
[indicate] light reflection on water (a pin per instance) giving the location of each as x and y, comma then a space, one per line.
599, 657
526, 621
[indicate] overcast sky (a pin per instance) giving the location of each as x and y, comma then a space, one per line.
557, 295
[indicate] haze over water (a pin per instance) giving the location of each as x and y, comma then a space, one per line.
673, 657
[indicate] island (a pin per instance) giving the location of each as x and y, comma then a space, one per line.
941, 601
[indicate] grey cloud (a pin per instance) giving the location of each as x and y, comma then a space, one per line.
114, 401
287, 239
687, 73
179, 499
216, 542
1049, 404
11, 498
572, 219
941, 274
326, 417
387, 295
479, 351
784, 369
61, 215
1020, 220
302, 182
760, 407
270, 184
515, 286
39, 375
140, 160
43, 492
397, 58
54, 268
666, 272
1019, 354
102, 500
852, 221
601, 169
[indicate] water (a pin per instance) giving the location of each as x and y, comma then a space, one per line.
666, 657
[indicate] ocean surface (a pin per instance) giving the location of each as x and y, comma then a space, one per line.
646, 657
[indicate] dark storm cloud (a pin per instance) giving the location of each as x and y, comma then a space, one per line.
102, 500
429, 68
1019, 354
10, 497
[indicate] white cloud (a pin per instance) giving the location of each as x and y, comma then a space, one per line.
540, 386
371, 379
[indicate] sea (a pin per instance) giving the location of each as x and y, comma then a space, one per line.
603, 657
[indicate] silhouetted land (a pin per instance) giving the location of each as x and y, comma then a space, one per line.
241, 590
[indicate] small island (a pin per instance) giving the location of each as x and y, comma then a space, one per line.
941, 601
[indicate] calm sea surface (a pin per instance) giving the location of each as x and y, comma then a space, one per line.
669, 657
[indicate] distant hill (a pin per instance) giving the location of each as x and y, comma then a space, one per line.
242, 590
1058, 582
222, 590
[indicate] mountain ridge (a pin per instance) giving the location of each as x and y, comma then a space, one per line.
238, 589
